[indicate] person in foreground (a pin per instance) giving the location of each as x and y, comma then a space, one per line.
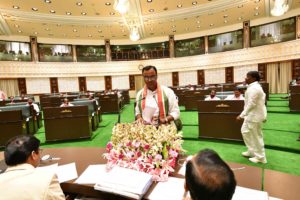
155, 103
22, 180
254, 114
208, 177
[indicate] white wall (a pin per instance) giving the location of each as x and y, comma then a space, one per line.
37, 85
120, 82
239, 72
165, 79
68, 84
95, 83
213, 76
188, 77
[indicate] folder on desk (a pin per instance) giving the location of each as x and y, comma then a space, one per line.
125, 182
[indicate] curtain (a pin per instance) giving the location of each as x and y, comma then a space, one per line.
285, 74
273, 77
9, 87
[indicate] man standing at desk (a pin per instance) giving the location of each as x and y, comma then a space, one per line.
254, 114
155, 103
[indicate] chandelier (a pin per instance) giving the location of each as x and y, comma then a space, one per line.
279, 7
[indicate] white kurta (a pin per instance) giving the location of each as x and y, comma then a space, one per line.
215, 98
233, 97
152, 103
254, 114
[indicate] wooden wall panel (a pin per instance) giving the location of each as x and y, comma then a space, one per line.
82, 83
108, 82
296, 69
131, 82
22, 86
175, 79
201, 77
262, 69
54, 85
229, 75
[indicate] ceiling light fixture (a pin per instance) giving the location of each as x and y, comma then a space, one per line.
17, 26
52, 11
256, 14
198, 26
83, 13
151, 10
179, 6
134, 34
79, 3
19, 31
211, 24
107, 4
279, 7
16, 7
122, 6
35, 33
225, 21
47, 1
149, 1
74, 30
194, 3
112, 13
34, 9
68, 13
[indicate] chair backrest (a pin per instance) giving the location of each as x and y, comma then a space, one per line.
90, 103
26, 110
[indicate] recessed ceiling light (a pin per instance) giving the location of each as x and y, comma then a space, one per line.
79, 3
34, 9
83, 13
17, 26
151, 10
89, 35
16, 7
74, 30
225, 16
68, 13
211, 24
173, 26
149, 1
35, 33
19, 31
240, 6
47, 29
256, 14
107, 3
198, 26
99, 31
179, 6
112, 13
198, 22
225, 21
194, 3
47, 1
52, 11
240, 18
257, 7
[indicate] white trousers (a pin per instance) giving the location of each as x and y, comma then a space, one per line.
253, 138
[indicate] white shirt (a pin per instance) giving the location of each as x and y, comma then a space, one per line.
35, 107
152, 102
63, 105
233, 97
212, 99
254, 108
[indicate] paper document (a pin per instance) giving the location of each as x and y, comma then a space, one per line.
66, 172
52, 168
148, 113
126, 182
171, 189
92, 174
242, 193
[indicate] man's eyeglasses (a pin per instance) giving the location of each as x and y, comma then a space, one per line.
149, 78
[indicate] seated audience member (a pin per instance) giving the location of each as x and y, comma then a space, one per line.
91, 97
22, 180
66, 103
236, 96
23, 97
212, 96
208, 177
2, 95
11, 99
35, 106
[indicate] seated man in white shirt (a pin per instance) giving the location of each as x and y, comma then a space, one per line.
2, 96
236, 96
22, 180
212, 96
91, 97
155, 103
66, 103
35, 106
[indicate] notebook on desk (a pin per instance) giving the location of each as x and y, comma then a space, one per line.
125, 182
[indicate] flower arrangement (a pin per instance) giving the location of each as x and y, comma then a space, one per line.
144, 148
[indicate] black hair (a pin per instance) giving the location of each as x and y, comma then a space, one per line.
238, 89
208, 177
148, 67
254, 74
19, 148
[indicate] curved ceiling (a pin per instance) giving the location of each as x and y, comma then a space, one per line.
94, 19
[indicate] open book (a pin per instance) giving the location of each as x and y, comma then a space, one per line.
125, 182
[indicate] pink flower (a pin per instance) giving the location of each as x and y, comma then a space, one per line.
137, 144
173, 153
147, 147
158, 157
129, 144
138, 154
109, 147
121, 156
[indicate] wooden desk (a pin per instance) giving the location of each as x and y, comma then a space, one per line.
109, 103
282, 185
126, 97
294, 103
67, 123
11, 124
217, 119
246, 176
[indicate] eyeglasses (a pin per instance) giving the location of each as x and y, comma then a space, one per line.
149, 78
